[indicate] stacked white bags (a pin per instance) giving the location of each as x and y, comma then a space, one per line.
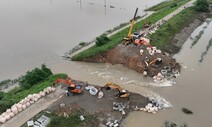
24, 103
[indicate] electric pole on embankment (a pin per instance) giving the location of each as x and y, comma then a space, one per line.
105, 6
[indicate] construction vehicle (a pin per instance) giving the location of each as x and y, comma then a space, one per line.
72, 87
156, 62
121, 92
129, 39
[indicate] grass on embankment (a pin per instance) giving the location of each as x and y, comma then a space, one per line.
73, 120
163, 36
118, 37
168, 3
17, 94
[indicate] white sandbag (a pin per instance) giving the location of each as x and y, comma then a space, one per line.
158, 51
15, 111
35, 99
38, 96
100, 94
147, 107
2, 120
53, 88
42, 93
19, 106
156, 109
11, 114
24, 106
7, 117
31, 102
154, 77
152, 109
3, 114
49, 89
153, 112
145, 73
20, 109
27, 104
29, 96
8, 111
148, 48
159, 74
154, 48
149, 104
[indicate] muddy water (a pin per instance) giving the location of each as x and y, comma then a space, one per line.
193, 89
40, 31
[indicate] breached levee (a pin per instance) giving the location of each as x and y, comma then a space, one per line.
131, 57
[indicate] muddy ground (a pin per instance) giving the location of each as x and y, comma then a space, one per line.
102, 108
130, 56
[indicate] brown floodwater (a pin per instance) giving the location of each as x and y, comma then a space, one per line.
40, 31
193, 88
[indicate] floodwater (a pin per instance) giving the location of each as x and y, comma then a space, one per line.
40, 31
193, 88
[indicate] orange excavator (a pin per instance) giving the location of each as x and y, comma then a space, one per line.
121, 92
72, 87
129, 39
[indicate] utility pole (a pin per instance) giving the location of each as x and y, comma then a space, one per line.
105, 6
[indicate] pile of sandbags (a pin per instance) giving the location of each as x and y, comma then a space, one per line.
158, 78
150, 108
153, 50
23, 104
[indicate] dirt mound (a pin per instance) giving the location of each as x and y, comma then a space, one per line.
102, 108
130, 56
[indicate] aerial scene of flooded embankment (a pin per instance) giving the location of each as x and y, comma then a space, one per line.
109, 63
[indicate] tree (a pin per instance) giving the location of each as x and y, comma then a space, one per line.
202, 6
35, 76
101, 40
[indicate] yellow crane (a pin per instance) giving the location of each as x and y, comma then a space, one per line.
129, 39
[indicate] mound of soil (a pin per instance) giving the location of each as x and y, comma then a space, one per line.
102, 108
130, 56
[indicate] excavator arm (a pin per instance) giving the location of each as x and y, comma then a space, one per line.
129, 35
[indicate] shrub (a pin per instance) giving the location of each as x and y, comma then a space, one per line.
173, 5
202, 6
101, 40
35, 76
82, 43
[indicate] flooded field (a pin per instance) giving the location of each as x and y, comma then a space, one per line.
193, 88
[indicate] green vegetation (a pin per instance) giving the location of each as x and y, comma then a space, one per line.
196, 39
202, 6
4, 82
35, 76
15, 95
118, 37
162, 37
82, 43
209, 1
73, 120
102, 39
172, 124
167, 4
187, 111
